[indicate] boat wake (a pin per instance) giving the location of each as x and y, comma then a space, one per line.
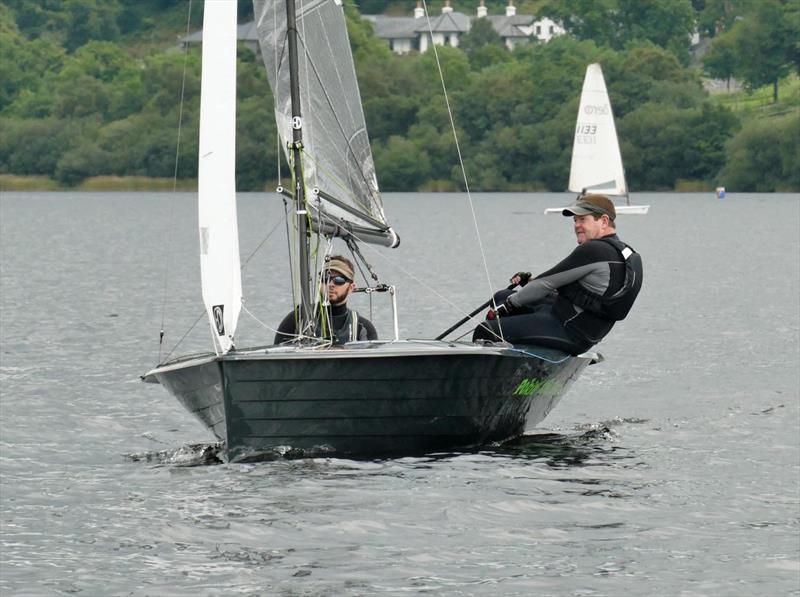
589, 441
559, 448
186, 455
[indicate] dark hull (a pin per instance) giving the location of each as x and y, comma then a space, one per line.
376, 399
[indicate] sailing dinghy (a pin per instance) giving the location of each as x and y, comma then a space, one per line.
596, 159
307, 397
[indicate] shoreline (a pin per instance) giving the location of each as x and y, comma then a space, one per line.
18, 183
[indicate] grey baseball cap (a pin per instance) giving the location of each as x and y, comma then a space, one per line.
591, 204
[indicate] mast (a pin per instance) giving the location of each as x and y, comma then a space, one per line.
301, 212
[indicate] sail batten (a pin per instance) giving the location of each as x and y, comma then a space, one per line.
596, 158
336, 154
219, 237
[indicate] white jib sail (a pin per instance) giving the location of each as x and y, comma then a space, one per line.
219, 234
596, 159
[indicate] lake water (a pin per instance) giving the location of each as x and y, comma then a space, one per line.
672, 468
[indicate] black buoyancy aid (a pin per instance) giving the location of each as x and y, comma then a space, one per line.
617, 305
347, 332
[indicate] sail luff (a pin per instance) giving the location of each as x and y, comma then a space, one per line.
596, 158
219, 237
301, 212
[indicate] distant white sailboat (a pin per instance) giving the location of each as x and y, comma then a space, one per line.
596, 158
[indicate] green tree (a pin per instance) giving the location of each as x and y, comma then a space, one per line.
71, 22
482, 43
616, 23
721, 60
764, 44
791, 21
763, 156
166, 82
714, 16
98, 80
653, 142
80, 162
35, 146
646, 73
400, 166
23, 64
587, 19
257, 147
708, 131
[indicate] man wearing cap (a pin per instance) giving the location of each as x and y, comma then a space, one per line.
334, 321
573, 305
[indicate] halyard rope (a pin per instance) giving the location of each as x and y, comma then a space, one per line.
460, 159
174, 186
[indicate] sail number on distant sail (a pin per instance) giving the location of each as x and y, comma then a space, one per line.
586, 134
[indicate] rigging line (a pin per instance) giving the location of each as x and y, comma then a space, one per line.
289, 247
295, 336
359, 259
261, 244
422, 283
460, 159
241, 267
189, 331
171, 217
261, 323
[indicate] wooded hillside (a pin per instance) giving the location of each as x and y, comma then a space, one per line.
101, 87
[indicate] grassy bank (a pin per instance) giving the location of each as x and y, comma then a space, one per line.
758, 102
11, 182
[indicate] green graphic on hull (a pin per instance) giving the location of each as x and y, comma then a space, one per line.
529, 386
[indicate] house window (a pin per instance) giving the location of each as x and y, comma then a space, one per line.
551, 30
447, 40
538, 30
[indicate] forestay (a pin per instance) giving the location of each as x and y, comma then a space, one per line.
337, 159
219, 237
596, 159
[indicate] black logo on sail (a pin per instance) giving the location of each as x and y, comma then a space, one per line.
219, 320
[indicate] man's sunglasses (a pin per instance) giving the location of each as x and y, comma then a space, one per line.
337, 280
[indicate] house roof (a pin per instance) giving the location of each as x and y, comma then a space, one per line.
244, 32
393, 27
510, 26
409, 27
449, 22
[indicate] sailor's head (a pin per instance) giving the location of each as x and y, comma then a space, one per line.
593, 217
337, 279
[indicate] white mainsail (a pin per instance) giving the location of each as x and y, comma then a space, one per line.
596, 159
337, 159
219, 235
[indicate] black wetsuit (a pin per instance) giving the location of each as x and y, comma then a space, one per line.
341, 322
547, 310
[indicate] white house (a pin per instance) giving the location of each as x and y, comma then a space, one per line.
404, 34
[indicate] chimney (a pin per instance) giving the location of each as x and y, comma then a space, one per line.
511, 10
419, 12
447, 8
482, 10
